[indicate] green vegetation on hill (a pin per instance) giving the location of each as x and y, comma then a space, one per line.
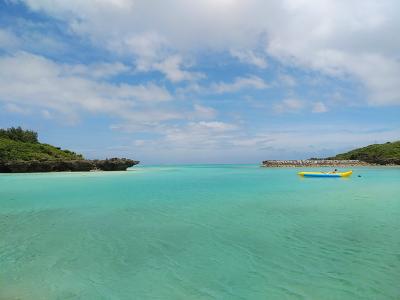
388, 153
18, 144
19, 134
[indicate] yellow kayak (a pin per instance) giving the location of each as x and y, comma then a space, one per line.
326, 174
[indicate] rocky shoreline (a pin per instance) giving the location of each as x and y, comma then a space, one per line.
113, 164
313, 163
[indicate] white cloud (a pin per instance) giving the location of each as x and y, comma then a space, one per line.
8, 40
214, 126
46, 114
353, 37
25, 35
250, 82
205, 142
343, 38
287, 80
204, 112
14, 108
336, 138
147, 47
148, 92
33, 84
33, 81
198, 135
257, 141
152, 52
319, 107
147, 119
172, 68
294, 105
99, 70
250, 57
290, 105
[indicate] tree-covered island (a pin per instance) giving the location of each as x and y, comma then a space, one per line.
21, 151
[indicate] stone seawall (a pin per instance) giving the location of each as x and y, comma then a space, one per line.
314, 163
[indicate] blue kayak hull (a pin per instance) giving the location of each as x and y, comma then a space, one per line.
322, 175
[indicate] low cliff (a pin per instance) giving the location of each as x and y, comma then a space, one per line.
313, 163
113, 164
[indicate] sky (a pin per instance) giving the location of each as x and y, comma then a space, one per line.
210, 81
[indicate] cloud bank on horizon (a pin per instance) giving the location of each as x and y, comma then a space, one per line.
202, 81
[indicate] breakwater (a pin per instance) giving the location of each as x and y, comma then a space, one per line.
314, 163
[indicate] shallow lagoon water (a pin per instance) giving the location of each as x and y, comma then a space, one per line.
200, 232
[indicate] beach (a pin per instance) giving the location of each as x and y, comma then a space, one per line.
200, 232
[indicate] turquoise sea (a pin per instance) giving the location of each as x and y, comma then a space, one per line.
200, 232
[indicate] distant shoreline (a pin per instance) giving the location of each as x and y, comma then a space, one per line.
314, 163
